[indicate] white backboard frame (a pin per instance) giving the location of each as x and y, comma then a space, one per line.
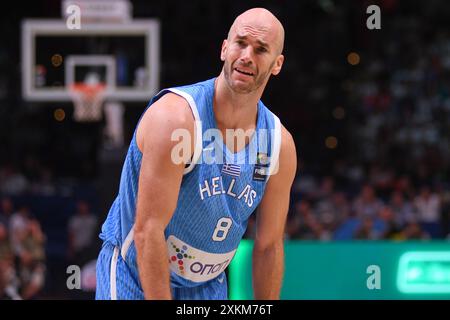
56, 27
108, 61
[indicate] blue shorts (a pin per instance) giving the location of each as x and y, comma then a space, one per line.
115, 281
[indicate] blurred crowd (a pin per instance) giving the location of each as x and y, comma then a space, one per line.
22, 253
397, 211
34, 213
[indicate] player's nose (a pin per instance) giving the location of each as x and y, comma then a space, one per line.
246, 56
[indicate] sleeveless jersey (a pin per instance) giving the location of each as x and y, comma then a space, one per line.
220, 189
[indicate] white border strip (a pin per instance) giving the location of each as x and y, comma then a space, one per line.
276, 146
197, 130
112, 275
127, 243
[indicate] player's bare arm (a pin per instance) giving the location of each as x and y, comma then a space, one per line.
159, 184
268, 252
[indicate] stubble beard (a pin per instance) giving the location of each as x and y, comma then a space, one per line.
259, 80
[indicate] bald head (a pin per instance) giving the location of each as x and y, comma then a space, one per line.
253, 51
260, 21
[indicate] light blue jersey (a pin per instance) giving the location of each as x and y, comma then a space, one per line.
219, 191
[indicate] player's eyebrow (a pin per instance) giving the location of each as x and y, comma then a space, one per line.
260, 42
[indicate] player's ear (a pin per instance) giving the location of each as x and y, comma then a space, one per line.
224, 50
278, 64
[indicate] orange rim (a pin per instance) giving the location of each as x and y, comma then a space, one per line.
87, 89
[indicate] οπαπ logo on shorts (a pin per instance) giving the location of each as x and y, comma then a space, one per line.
194, 264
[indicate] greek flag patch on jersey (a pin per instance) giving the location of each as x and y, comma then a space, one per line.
230, 169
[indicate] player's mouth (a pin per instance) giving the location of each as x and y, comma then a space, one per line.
244, 72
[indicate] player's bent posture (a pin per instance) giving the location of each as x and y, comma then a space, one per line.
175, 225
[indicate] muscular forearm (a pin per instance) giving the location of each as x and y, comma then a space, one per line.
268, 268
152, 263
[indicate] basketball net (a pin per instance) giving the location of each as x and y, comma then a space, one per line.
88, 100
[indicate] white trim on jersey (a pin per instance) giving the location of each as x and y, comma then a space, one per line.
127, 243
197, 132
276, 145
112, 275
197, 153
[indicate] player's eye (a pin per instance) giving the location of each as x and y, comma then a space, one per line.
261, 50
240, 43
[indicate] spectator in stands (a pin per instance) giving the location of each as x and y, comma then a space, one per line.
325, 190
32, 261
82, 229
18, 226
45, 185
388, 226
6, 210
381, 179
413, 231
366, 230
333, 211
403, 185
304, 224
5, 246
367, 204
403, 210
382, 226
428, 208
12, 181
8, 280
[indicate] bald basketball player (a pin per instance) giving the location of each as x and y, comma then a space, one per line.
175, 225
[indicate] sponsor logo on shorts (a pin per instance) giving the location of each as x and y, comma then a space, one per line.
178, 258
194, 264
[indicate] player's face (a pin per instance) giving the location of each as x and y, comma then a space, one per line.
250, 56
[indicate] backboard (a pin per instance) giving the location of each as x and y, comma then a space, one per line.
124, 56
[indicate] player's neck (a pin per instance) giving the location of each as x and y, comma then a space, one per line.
233, 110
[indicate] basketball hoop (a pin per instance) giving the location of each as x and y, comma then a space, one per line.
88, 100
